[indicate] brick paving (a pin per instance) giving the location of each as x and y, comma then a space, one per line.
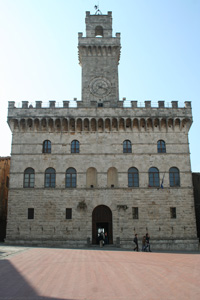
58, 274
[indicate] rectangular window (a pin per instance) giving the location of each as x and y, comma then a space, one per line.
30, 213
173, 212
135, 212
68, 213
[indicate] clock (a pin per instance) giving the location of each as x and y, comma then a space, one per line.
100, 86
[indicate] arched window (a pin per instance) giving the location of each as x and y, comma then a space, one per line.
70, 180
127, 147
50, 178
154, 177
99, 31
75, 146
161, 147
133, 177
174, 177
46, 147
29, 178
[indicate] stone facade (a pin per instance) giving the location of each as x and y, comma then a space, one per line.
4, 183
91, 151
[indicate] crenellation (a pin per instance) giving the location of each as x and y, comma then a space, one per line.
161, 104
174, 104
24, 104
147, 104
94, 103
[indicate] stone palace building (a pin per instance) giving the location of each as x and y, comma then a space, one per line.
100, 166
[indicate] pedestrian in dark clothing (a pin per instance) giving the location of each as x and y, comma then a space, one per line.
136, 242
148, 242
106, 238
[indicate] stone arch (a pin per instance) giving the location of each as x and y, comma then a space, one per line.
142, 124
100, 125
86, 124
128, 124
163, 124
89, 51
177, 124
114, 124
15, 124
91, 178
186, 123
57, 125
22, 124
104, 51
30, 124
170, 123
121, 124
99, 51
156, 124
51, 124
149, 124
72, 124
65, 124
79, 125
112, 177
93, 125
44, 124
107, 125
136, 124
36, 124
102, 221
94, 50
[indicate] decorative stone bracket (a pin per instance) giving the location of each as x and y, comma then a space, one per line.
82, 205
124, 207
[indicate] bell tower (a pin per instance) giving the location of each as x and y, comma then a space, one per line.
99, 54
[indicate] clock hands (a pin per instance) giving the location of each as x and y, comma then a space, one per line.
99, 86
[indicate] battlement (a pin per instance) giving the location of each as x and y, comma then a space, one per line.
122, 104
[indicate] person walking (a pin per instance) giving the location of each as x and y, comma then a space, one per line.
136, 242
148, 242
144, 243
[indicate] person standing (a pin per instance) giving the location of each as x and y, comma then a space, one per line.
136, 242
106, 238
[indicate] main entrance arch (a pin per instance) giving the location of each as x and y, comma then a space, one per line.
102, 221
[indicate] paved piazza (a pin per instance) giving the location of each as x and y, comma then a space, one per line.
57, 274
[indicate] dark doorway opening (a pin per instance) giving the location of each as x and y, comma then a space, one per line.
102, 223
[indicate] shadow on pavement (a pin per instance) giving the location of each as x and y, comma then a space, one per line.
13, 286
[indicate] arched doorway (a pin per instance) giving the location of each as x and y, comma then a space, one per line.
102, 221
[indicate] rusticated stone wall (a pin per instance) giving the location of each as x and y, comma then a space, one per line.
101, 149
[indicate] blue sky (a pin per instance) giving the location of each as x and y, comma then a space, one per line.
160, 55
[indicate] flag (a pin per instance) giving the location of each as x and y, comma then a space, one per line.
162, 182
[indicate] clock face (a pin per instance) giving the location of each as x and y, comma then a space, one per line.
100, 86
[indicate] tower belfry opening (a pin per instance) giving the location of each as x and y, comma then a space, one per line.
99, 31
